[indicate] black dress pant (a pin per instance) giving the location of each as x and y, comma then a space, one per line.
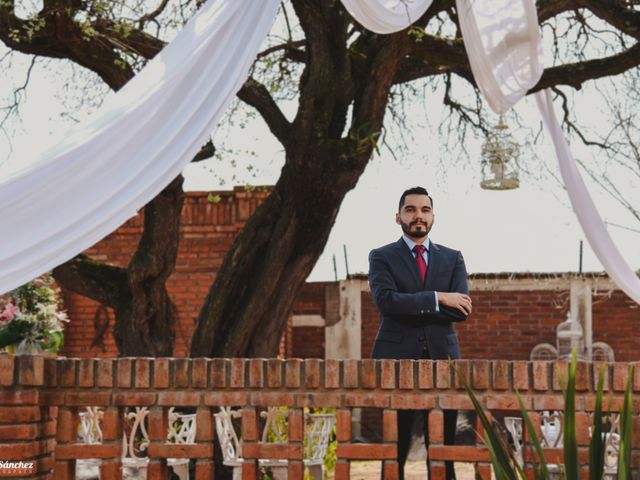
405, 424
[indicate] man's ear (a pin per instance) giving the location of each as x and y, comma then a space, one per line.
398, 218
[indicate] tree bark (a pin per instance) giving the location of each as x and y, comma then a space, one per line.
145, 314
247, 306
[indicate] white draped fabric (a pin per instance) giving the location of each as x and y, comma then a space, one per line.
386, 16
586, 211
139, 141
143, 136
504, 48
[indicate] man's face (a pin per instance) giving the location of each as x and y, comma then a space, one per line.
416, 216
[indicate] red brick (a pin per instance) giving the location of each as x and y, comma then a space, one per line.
199, 372
237, 373
389, 426
133, 399
219, 369
295, 425
366, 399
350, 373
443, 374
142, 373
325, 400
367, 451
390, 468
312, 373
388, 374
180, 451
6, 369
436, 426
85, 372
454, 401
222, 399
274, 372
368, 373
521, 376
413, 401
104, 372
250, 424
30, 370
459, 453
500, 375
112, 424
331, 373
292, 373
180, 372
480, 374
161, 373
22, 397
620, 376
343, 425
19, 414
267, 399
125, 372
425, 374
406, 374
540, 375
583, 379
179, 399
67, 371
462, 371
87, 398
70, 451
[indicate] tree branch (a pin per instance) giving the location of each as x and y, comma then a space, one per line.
101, 282
255, 94
575, 74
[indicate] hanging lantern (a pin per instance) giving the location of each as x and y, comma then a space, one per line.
499, 157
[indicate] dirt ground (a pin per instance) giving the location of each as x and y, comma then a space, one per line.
413, 471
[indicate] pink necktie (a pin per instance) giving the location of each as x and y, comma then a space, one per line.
422, 265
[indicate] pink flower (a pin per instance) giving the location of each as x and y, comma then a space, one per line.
8, 314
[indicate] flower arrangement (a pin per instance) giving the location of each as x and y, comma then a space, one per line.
30, 318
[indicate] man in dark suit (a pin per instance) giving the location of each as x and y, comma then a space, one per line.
420, 289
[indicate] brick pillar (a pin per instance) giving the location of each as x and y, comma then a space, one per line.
27, 430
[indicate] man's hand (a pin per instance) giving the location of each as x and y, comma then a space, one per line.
459, 301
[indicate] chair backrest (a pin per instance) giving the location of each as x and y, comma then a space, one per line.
135, 438
275, 426
318, 427
90, 431
229, 442
182, 428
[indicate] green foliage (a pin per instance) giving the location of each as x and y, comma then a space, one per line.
507, 468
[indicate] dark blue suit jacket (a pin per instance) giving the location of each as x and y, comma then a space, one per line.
408, 307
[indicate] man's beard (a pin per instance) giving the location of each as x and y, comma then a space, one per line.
416, 230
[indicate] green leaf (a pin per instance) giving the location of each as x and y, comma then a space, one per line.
624, 455
541, 472
570, 443
500, 454
597, 445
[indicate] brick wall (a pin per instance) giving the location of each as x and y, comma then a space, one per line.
511, 315
509, 319
40, 400
207, 231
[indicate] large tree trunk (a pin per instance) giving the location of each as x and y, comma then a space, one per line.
145, 314
247, 306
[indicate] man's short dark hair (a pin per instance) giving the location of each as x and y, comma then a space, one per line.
413, 191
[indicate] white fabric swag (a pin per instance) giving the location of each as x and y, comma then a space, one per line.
141, 138
145, 134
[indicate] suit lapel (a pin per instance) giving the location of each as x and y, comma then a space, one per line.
409, 262
432, 266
